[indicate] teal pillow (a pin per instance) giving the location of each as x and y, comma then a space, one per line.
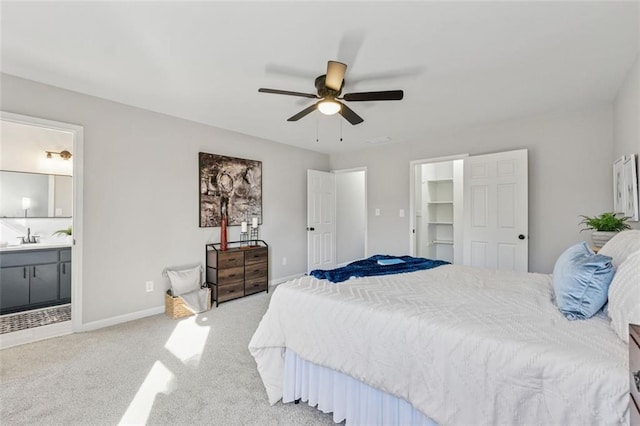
581, 281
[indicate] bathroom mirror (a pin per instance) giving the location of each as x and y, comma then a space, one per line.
35, 195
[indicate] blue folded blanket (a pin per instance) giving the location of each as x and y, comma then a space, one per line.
371, 266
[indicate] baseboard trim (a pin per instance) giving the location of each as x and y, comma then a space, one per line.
30, 335
108, 322
7, 341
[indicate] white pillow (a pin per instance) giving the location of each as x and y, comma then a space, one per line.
621, 245
624, 296
184, 281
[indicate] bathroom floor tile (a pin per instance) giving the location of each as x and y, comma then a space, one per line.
32, 319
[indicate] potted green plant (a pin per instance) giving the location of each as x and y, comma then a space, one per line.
68, 232
604, 226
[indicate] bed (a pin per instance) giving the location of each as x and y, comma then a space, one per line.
449, 345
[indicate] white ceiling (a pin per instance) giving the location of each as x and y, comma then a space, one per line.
459, 63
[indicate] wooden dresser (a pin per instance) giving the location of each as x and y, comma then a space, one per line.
238, 271
634, 374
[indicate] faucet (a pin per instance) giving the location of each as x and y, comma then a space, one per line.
29, 239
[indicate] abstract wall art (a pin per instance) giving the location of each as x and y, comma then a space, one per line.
625, 187
229, 185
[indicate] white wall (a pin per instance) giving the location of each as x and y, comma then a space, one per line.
570, 155
626, 109
350, 213
140, 199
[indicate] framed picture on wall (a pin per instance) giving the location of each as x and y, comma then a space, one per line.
619, 202
229, 184
630, 187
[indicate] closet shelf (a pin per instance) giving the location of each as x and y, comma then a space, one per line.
440, 223
443, 242
440, 202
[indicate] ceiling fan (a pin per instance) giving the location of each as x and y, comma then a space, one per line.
329, 87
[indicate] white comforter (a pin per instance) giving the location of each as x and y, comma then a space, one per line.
463, 345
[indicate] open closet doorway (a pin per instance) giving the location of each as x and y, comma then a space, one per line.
436, 208
471, 210
43, 162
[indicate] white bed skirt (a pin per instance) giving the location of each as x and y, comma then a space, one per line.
347, 398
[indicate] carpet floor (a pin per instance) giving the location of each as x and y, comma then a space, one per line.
155, 371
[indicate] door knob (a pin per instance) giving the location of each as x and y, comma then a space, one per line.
521, 237
311, 229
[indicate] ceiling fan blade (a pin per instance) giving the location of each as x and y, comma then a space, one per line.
287, 92
387, 95
304, 112
350, 44
349, 114
335, 75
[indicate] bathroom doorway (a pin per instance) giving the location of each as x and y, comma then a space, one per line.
42, 161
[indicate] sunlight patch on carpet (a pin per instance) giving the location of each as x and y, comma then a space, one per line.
187, 341
159, 380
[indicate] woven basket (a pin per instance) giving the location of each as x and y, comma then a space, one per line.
175, 308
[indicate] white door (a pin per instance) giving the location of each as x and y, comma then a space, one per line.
321, 224
496, 211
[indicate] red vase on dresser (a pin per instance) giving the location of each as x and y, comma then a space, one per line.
223, 232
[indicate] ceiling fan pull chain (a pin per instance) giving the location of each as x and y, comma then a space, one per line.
317, 125
340, 130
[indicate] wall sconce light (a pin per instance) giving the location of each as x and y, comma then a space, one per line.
65, 155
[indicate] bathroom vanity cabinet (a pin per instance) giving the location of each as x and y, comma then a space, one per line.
34, 278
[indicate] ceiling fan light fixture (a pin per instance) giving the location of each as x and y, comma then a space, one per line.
329, 106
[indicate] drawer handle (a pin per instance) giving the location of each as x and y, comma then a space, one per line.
34, 272
636, 377
232, 275
24, 272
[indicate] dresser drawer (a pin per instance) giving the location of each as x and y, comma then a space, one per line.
230, 259
255, 286
229, 291
230, 275
256, 270
256, 256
